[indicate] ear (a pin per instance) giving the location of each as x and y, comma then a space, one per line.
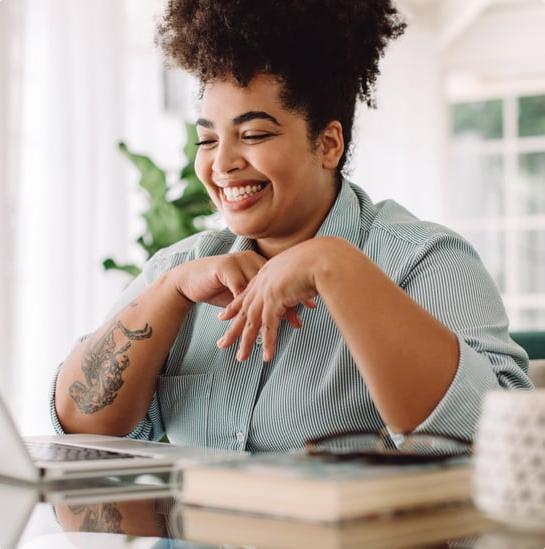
332, 144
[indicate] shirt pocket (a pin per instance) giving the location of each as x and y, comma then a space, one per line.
184, 402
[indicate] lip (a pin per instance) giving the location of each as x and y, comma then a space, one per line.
246, 202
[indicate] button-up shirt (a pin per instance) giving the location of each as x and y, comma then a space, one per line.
312, 387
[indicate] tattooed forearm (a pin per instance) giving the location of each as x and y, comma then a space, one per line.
103, 362
99, 518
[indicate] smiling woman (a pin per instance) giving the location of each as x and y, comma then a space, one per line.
241, 149
349, 315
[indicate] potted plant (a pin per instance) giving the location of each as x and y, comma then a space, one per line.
167, 221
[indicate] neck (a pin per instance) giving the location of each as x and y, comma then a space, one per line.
269, 247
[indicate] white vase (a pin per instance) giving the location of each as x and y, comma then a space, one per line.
509, 480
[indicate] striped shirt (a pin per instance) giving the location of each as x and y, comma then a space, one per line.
312, 387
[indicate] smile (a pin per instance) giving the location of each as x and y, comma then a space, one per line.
237, 194
241, 197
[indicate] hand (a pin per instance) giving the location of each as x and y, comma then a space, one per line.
284, 282
216, 279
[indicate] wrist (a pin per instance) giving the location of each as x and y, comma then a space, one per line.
331, 262
173, 285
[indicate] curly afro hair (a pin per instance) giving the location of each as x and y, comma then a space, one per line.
325, 53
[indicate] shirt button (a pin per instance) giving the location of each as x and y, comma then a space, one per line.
259, 339
240, 436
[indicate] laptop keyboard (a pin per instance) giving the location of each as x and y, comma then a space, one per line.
45, 451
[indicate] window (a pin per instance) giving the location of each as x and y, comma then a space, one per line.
495, 195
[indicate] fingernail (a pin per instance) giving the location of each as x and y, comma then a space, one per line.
219, 342
220, 314
239, 356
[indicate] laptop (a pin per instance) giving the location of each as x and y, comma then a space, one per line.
65, 457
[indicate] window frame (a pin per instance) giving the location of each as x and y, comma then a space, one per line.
511, 223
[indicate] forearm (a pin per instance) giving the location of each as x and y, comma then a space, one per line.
407, 358
107, 382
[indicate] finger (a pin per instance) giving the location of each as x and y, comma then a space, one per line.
234, 330
250, 331
234, 278
232, 309
310, 303
293, 318
269, 329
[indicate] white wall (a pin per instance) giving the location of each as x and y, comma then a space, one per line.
505, 43
400, 146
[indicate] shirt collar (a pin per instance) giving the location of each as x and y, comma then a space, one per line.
349, 218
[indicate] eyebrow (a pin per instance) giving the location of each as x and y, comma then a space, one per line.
241, 118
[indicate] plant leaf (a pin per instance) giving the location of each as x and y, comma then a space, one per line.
109, 264
152, 178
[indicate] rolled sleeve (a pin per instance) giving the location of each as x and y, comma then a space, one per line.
52, 408
449, 280
458, 411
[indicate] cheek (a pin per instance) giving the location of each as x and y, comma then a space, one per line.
203, 171
201, 166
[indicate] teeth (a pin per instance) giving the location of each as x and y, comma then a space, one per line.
239, 193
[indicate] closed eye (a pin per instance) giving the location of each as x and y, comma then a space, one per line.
205, 142
256, 137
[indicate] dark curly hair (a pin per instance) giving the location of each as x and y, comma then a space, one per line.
325, 53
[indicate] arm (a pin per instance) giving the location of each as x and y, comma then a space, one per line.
106, 384
107, 381
428, 351
375, 315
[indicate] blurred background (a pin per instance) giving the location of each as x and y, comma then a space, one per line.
458, 138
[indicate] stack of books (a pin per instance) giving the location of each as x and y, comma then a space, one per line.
300, 487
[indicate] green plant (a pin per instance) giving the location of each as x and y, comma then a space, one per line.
167, 221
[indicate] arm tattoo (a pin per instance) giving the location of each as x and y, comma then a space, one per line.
99, 518
103, 362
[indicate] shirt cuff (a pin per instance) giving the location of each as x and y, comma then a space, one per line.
457, 413
52, 409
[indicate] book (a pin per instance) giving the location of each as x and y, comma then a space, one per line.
397, 531
318, 489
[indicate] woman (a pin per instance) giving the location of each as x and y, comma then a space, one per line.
349, 315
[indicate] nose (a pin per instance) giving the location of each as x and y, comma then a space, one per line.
227, 158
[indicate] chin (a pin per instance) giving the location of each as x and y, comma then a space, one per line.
244, 229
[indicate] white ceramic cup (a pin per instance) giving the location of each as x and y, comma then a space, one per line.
509, 480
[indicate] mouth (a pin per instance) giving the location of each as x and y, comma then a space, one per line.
243, 196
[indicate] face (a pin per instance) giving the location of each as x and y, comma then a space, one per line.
256, 161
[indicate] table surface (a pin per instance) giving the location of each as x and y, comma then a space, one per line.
58, 517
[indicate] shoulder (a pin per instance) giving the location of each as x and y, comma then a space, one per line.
393, 221
199, 245
397, 240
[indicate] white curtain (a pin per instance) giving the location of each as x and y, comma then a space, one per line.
64, 90
10, 88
